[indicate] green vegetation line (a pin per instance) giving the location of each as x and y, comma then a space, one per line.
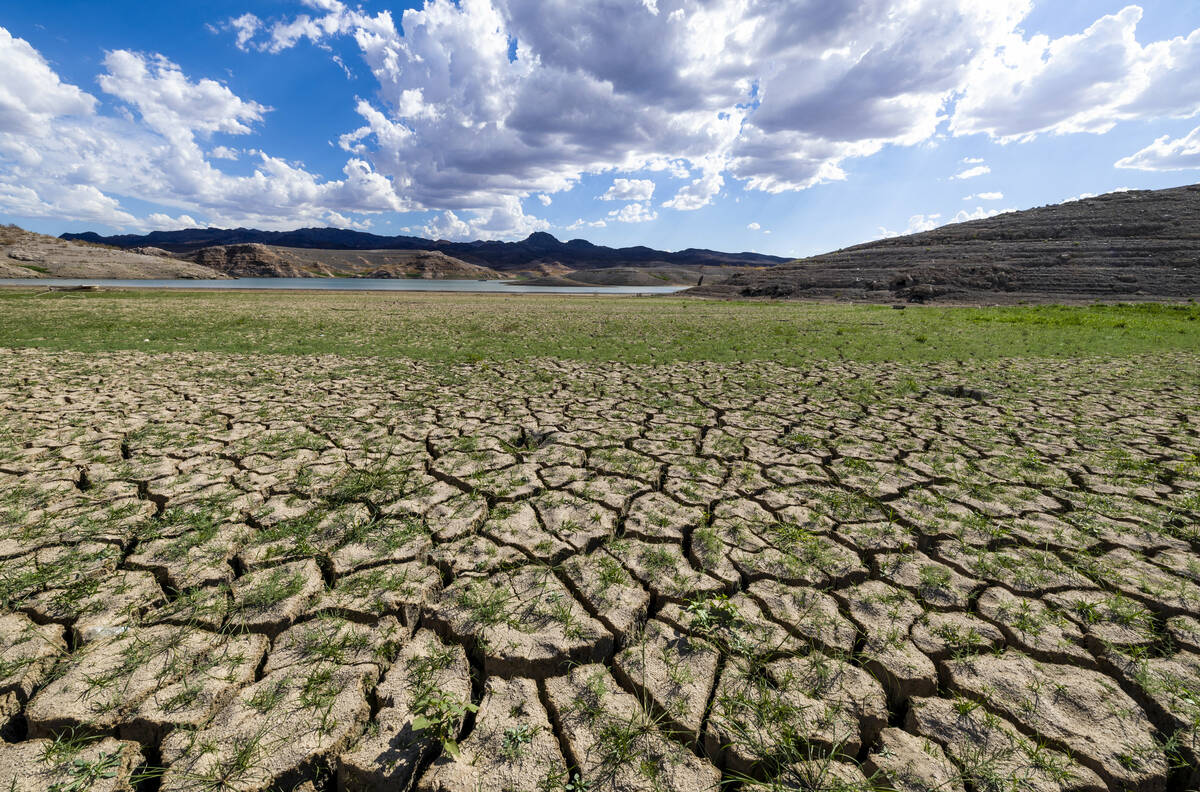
458, 328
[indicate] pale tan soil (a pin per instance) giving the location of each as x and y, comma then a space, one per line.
24, 254
256, 573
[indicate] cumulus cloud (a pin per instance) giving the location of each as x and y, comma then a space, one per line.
985, 196
1166, 154
60, 158
972, 173
633, 213
484, 100
224, 152
32, 95
629, 190
928, 222
1085, 82
157, 221
754, 226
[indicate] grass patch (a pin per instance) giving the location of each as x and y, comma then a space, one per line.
464, 328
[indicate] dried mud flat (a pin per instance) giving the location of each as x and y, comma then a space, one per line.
271, 573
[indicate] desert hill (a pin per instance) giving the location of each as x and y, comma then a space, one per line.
537, 251
255, 260
24, 254
1127, 245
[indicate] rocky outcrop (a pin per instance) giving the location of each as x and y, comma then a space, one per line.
1138, 245
24, 254
247, 261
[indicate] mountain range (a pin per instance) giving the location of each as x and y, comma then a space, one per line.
538, 248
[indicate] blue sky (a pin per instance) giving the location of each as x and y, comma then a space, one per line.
782, 127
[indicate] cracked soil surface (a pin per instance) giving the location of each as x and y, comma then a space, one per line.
246, 573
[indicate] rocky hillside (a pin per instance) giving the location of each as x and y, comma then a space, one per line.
539, 250
24, 254
1140, 245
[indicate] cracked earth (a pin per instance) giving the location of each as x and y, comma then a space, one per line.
239, 573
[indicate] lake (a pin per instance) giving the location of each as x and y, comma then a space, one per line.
343, 284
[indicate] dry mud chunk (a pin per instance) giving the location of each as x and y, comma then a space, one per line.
523, 622
512, 746
690, 490
614, 492
1170, 688
427, 678
192, 558
674, 671
103, 766
1139, 578
765, 714
331, 639
608, 591
877, 536
579, 523
101, 610
387, 540
1081, 709
27, 651
517, 525
945, 635
399, 589
205, 607
456, 517
809, 614
885, 615
1185, 631
992, 754
475, 555
735, 624
315, 532
1022, 569
906, 763
657, 518
1033, 627
269, 600
613, 741
663, 569
106, 682
935, 584
189, 701
1108, 619
271, 730
801, 558
78, 568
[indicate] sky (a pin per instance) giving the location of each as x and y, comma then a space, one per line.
789, 127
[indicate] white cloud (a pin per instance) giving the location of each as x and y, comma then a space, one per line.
972, 161
170, 103
928, 222
246, 26
71, 162
985, 196
31, 94
972, 173
224, 152
633, 213
497, 222
754, 226
1085, 82
581, 223
157, 221
545, 199
629, 190
462, 125
1165, 154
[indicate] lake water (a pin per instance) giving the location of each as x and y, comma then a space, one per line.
344, 284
